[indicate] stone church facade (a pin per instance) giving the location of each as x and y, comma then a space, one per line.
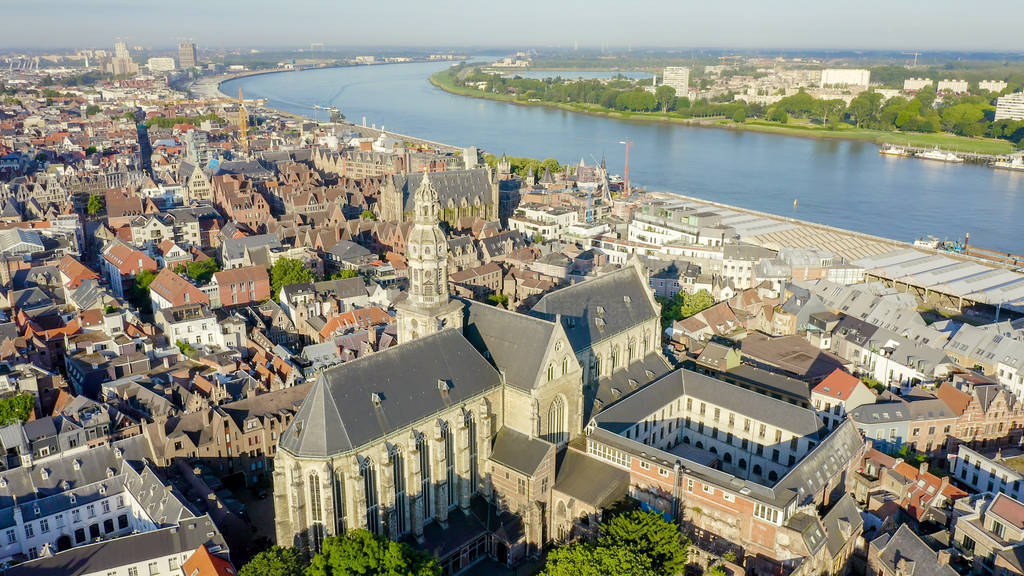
461, 194
468, 411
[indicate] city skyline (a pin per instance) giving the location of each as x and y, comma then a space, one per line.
795, 24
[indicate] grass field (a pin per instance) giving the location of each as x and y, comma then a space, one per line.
795, 128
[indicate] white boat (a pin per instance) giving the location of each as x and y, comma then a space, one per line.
939, 155
1015, 162
890, 150
929, 242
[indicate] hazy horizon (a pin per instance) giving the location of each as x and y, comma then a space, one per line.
742, 24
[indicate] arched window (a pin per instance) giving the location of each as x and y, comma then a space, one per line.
699, 445
565, 365
471, 426
316, 531
686, 439
557, 432
595, 373
551, 372
772, 476
423, 446
727, 457
647, 343
630, 351
339, 502
714, 450
398, 471
743, 464
757, 469
449, 458
615, 358
369, 473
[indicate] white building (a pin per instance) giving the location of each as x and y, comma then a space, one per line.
992, 85
1010, 107
841, 77
160, 64
547, 221
677, 77
915, 84
989, 472
954, 86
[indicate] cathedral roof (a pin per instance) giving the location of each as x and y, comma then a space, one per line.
355, 403
452, 186
515, 343
596, 309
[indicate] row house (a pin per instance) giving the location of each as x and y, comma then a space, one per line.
889, 357
988, 416
987, 351
241, 286
122, 263
999, 470
239, 201
169, 289
477, 283
839, 393
990, 534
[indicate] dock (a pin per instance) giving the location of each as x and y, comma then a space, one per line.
968, 157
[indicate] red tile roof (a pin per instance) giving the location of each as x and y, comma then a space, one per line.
839, 384
75, 271
177, 290
205, 563
957, 400
1008, 509
128, 261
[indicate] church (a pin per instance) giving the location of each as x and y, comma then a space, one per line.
471, 193
453, 439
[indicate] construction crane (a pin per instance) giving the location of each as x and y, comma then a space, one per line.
915, 55
243, 123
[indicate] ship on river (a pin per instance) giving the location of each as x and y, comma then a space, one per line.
1014, 162
939, 155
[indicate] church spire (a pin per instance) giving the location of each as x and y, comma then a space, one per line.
428, 308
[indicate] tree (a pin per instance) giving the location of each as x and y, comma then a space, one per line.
344, 274
186, 348
92, 109
200, 270
776, 114
648, 534
665, 97
138, 294
580, 559
684, 305
538, 238
95, 205
365, 554
16, 408
740, 116
274, 561
368, 215
90, 150
499, 300
287, 271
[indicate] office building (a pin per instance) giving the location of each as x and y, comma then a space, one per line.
187, 55
677, 77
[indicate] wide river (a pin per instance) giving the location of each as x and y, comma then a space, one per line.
841, 183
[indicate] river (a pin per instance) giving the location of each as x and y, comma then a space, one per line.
846, 184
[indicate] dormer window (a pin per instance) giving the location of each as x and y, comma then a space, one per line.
376, 399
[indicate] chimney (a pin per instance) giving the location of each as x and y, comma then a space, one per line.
943, 557
923, 468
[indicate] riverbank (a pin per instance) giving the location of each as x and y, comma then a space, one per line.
944, 141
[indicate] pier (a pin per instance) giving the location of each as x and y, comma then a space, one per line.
968, 157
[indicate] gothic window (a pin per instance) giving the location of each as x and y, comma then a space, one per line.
595, 373
615, 357
630, 351
647, 343
398, 471
339, 502
369, 473
423, 445
316, 533
565, 365
449, 459
551, 372
556, 421
471, 425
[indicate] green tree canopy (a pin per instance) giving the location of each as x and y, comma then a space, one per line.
343, 274
684, 305
581, 559
665, 97
365, 554
138, 294
368, 215
200, 270
650, 536
16, 408
287, 271
95, 205
274, 561
92, 109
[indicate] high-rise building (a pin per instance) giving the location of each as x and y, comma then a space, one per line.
843, 77
1010, 107
677, 77
186, 55
121, 50
121, 64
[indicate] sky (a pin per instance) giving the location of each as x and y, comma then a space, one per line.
796, 24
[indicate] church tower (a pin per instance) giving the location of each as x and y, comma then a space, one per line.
428, 308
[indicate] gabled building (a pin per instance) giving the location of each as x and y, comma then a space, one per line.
122, 263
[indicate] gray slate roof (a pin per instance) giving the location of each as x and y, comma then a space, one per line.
514, 343
519, 451
133, 549
452, 187
904, 544
597, 309
841, 522
636, 407
339, 414
590, 480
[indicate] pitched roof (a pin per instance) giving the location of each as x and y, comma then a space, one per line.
356, 402
905, 545
596, 309
205, 563
1008, 509
127, 260
515, 344
176, 289
518, 451
453, 186
242, 274
839, 384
